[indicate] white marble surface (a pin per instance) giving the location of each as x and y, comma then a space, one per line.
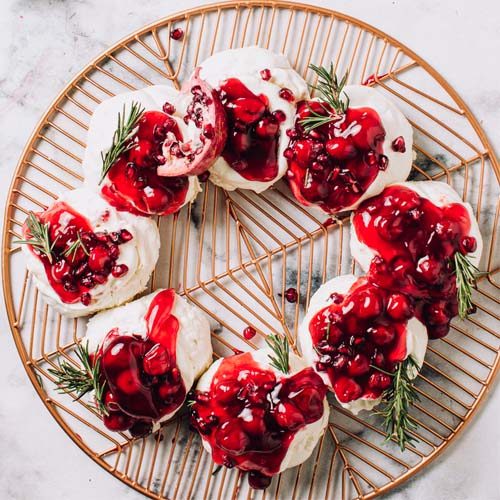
43, 44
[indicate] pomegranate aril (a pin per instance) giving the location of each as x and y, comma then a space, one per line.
279, 115
176, 33
399, 307
128, 382
468, 244
288, 416
291, 295
266, 128
99, 259
286, 94
340, 149
249, 332
233, 440
381, 335
358, 366
168, 108
379, 380
85, 299
247, 110
346, 389
265, 74
111, 402
258, 481
399, 145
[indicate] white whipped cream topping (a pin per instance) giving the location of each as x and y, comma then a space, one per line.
416, 337
139, 255
193, 347
305, 439
438, 193
246, 64
103, 125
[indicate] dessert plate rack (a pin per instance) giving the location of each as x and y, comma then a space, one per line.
235, 253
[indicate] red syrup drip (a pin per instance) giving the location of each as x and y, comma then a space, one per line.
141, 373
364, 329
334, 164
415, 242
133, 184
249, 427
73, 275
252, 144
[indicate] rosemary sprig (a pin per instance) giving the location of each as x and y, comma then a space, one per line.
279, 345
82, 380
71, 250
466, 273
398, 399
330, 90
40, 238
124, 130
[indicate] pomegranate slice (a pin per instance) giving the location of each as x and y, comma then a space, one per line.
206, 120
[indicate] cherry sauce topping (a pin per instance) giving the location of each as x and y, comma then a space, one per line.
357, 336
133, 184
334, 164
250, 415
252, 144
143, 381
76, 270
415, 242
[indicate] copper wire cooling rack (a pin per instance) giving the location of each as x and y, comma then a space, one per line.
235, 253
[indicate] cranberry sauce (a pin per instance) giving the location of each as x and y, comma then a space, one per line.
132, 182
334, 164
358, 333
252, 143
80, 259
143, 381
415, 242
250, 415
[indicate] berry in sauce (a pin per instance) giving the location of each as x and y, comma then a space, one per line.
132, 183
250, 414
353, 336
415, 242
80, 258
143, 382
334, 164
252, 144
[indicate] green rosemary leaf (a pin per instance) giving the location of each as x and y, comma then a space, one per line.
124, 130
82, 380
466, 273
398, 399
40, 237
281, 349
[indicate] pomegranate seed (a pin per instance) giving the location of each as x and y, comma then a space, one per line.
288, 416
336, 298
340, 361
292, 133
119, 270
371, 158
286, 94
128, 382
175, 375
359, 365
168, 108
85, 298
265, 74
379, 380
60, 270
288, 153
100, 278
468, 244
177, 34
130, 171
279, 115
232, 439
399, 145
208, 131
383, 161
125, 235
291, 295
249, 332
340, 149
266, 128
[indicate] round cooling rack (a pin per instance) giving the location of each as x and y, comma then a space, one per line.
233, 254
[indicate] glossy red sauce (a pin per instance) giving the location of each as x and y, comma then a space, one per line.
132, 184
415, 242
142, 378
250, 415
252, 144
73, 275
333, 165
358, 331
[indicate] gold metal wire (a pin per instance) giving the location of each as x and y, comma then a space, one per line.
234, 253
